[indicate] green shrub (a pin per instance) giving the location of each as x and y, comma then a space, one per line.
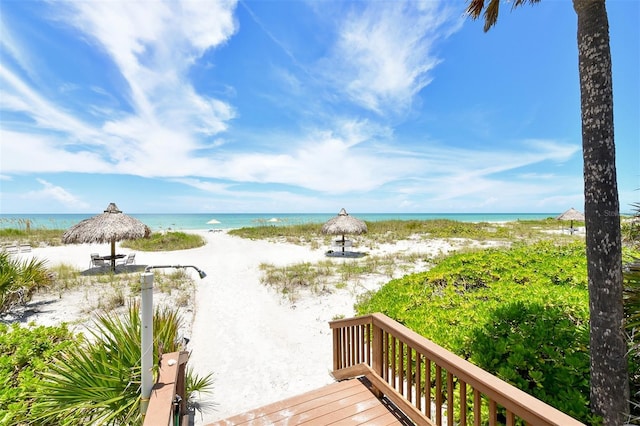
539, 349
470, 301
165, 241
25, 352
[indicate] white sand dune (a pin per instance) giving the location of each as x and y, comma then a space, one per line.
260, 346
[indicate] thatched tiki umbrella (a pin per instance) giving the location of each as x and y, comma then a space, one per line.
571, 214
344, 224
110, 226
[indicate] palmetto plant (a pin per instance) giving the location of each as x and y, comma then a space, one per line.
98, 382
20, 279
632, 320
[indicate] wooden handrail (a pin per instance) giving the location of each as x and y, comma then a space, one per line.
171, 382
406, 361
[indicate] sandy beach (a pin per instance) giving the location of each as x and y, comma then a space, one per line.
260, 346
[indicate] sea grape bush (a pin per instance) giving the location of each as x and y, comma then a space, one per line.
542, 350
520, 313
25, 353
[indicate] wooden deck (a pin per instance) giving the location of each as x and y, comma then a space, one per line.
386, 374
349, 402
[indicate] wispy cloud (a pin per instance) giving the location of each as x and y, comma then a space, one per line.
158, 122
153, 48
50, 191
385, 53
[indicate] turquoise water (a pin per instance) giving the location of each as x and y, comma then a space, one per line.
159, 222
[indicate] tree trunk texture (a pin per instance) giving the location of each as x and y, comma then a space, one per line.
609, 377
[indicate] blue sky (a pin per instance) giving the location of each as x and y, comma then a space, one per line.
301, 106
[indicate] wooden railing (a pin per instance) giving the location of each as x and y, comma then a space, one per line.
431, 385
164, 408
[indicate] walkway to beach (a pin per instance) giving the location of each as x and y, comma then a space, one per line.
259, 347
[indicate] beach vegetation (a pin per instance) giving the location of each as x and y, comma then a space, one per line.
178, 284
98, 380
112, 299
329, 274
26, 280
30, 353
520, 313
32, 236
20, 279
66, 277
632, 327
302, 233
391, 231
25, 353
630, 228
288, 280
165, 241
157, 241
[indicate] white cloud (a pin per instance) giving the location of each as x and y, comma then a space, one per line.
51, 192
154, 46
18, 96
33, 153
385, 53
210, 187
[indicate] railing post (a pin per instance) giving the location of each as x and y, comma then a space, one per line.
336, 349
181, 390
377, 363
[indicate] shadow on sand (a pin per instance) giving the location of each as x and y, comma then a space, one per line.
120, 269
349, 254
23, 314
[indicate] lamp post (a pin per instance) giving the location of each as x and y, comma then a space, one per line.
146, 308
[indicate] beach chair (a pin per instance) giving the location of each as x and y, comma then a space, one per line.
129, 260
97, 262
14, 249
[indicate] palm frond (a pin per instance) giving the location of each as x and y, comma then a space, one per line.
99, 382
491, 14
475, 8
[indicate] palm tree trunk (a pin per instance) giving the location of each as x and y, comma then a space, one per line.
609, 376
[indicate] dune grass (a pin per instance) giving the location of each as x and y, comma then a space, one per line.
158, 241
390, 231
337, 273
165, 241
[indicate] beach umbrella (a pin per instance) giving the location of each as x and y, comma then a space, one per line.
571, 215
213, 222
344, 224
110, 226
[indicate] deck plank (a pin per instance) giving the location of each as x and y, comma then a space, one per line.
345, 403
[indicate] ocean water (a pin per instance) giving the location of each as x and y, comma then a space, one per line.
185, 221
